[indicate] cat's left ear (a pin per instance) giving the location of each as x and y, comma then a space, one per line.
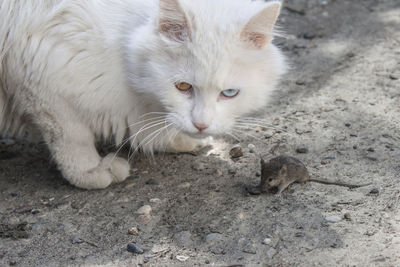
258, 31
173, 22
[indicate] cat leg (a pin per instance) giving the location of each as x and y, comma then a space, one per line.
72, 145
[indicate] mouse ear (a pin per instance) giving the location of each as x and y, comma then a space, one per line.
283, 170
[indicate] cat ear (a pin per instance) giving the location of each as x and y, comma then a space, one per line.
173, 22
258, 31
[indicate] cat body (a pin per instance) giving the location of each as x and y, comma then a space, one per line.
167, 73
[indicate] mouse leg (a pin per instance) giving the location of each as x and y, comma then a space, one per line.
282, 186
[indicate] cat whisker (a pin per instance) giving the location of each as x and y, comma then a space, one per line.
154, 113
143, 121
148, 139
134, 136
145, 127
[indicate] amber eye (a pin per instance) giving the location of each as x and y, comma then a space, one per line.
183, 86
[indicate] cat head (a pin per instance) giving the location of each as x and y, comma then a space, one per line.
207, 62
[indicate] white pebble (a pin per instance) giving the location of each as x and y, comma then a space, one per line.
267, 241
182, 258
333, 219
145, 210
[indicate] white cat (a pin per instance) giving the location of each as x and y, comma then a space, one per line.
164, 72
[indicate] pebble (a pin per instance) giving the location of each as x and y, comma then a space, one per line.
145, 210
134, 249
374, 191
347, 216
152, 182
372, 156
144, 219
371, 149
250, 249
267, 241
7, 142
333, 219
184, 185
252, 148
302, 149
35, 211
393, 77
236, 152
133, 231
77, 240
212, 237
182, 258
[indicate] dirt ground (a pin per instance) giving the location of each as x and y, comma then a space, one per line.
340, 102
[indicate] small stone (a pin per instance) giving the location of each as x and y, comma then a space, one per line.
333, 219
182, 258
133, 231
347, 216
350, 54
268, 135
252, 148
302, 149
393, 77
184, 185
77, 240
145, 210
134, 249
250, 249
372, 156
212, 237
144, 219
152, 182
347, 124
236, 152
267, 241
155, 200
35, 211
374, 191
7, 142
371, 149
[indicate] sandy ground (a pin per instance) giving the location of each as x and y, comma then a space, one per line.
340, 100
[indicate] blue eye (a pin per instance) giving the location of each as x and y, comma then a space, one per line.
230, 93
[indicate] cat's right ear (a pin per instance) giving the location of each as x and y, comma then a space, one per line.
173, 22
258, 31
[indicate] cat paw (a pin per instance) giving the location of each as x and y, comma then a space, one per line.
111, 169
118, 167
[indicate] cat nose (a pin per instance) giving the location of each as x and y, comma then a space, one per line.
200, 126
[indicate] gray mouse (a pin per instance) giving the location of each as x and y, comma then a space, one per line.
284, 170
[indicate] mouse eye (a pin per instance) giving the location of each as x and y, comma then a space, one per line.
270, 179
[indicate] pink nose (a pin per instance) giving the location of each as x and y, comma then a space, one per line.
200, 126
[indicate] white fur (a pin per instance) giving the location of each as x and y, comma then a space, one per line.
82, 70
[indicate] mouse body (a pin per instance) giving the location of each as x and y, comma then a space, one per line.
281, 171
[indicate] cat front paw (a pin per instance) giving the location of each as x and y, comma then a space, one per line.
118, 167
112, 169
